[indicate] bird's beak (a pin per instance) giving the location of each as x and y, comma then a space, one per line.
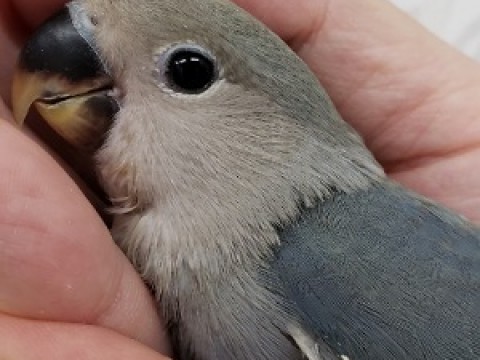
61, 74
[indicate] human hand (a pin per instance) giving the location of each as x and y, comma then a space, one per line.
65, 287
364, 52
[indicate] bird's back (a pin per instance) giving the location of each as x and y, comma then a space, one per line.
383, 274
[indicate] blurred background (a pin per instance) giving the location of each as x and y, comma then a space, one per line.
455, 21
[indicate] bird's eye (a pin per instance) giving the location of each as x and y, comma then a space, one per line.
188, 69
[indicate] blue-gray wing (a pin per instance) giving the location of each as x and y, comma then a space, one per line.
383, 274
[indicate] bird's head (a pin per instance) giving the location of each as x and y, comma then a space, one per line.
192, 107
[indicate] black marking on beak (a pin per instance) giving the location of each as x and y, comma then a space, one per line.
61, 73
58, 48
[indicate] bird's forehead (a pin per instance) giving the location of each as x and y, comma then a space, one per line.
188, 13
213, 23
143, 27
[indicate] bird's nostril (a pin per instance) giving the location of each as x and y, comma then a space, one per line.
94, 20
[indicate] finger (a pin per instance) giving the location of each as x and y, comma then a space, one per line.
57, 259
29, 340
379, 66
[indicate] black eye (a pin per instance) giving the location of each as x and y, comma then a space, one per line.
189, 70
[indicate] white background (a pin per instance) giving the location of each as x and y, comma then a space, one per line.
455, 21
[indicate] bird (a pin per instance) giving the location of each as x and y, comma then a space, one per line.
256, 215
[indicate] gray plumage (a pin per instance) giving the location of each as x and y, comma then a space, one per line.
383, 274
262, 223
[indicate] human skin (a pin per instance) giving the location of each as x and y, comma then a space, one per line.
67, 289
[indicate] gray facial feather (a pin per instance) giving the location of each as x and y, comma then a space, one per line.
200, 184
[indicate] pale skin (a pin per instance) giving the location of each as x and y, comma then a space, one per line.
66, 289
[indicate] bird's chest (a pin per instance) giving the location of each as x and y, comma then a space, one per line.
227, 319
216, 308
